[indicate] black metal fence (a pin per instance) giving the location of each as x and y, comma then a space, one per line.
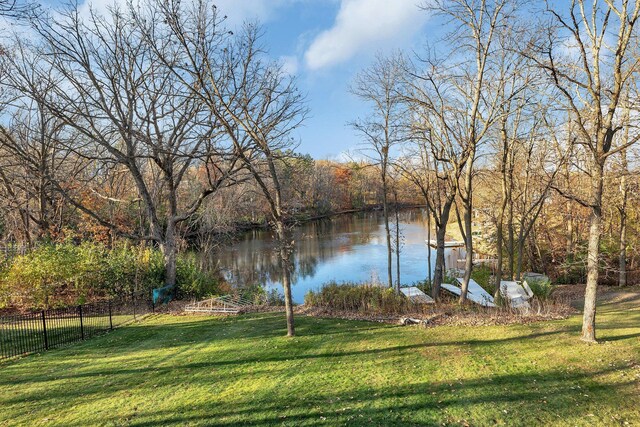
23, 334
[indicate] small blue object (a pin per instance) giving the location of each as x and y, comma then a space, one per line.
163, 295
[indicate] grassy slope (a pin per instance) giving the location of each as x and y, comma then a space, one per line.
206, 371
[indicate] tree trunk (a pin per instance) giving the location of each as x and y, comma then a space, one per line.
521, 240
441, 231
468, 243
429, 274
569, 217
499, 239
468, 260
510, 244
622, 264
503, 206
438, 275
385, 207
589, 316
395, 195
285, 259
622, 280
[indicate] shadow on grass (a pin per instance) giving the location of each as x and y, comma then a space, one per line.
532, 398
120, 363
157, 367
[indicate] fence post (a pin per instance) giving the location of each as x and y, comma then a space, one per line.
44, 330
133, 298
81, 324
110, 317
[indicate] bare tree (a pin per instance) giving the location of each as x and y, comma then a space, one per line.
458, 106
414, 164
516, 93
437, 155
384, 128
253, 100
124, 109
587, 54
31, 154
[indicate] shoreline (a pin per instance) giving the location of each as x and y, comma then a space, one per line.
237, 229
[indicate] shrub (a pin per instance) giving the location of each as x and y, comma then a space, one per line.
258, 295
357, 297
194, 281
254, 293
424, 286
64, 274
482, 275
541, 287
34, 279
275, 298
573, 269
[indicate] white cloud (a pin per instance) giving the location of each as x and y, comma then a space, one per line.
289, 64
364, 24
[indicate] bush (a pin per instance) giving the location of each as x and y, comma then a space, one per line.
275, 298
482, 274
193, 281
358, 298
424, 286
131, 269
256, 294
64, 274
35, 278
541, 287
573, 270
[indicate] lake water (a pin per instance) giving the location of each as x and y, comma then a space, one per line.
345, 248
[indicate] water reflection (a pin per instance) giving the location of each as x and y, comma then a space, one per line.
345, 248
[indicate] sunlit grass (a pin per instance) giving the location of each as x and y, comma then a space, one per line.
243, 371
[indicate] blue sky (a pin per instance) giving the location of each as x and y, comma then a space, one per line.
325, 43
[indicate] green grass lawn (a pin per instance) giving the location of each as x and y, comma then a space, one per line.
24, 334
242, 371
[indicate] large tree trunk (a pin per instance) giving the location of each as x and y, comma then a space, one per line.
285, 259
595, 229
438, 275
441, 231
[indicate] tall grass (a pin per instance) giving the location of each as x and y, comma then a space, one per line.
358, 298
